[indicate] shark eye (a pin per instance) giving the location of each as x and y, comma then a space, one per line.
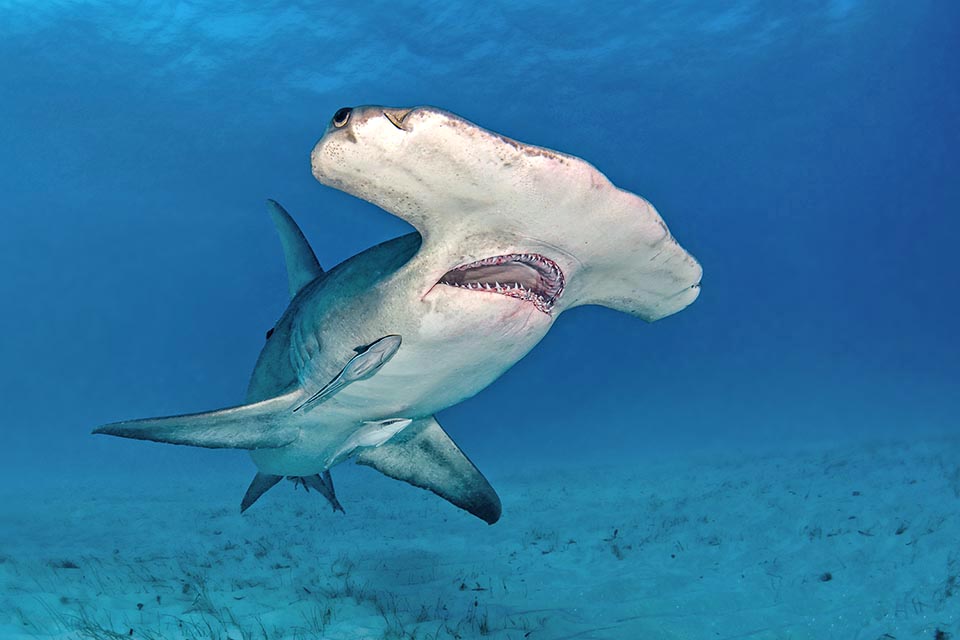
341, 116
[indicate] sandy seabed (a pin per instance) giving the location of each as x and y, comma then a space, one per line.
852, 542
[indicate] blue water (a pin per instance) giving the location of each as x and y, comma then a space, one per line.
805, 153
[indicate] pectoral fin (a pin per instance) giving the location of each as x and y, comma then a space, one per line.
262, 425
423, 455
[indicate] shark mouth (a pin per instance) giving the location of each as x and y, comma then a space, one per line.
525, 276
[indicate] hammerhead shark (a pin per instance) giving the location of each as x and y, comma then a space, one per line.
507, 237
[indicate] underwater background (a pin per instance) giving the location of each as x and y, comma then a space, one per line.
796, 416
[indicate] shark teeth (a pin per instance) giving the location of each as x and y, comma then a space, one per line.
529, 277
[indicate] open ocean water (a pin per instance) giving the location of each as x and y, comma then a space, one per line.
780, 460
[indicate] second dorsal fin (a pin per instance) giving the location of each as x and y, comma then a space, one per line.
302, 265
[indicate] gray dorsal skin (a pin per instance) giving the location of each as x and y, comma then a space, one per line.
302, 264
508, 237
262, 482
367, 362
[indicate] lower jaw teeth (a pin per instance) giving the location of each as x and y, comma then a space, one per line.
514, 290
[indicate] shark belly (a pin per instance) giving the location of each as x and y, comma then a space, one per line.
449, 353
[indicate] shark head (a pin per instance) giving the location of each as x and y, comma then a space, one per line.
507, 218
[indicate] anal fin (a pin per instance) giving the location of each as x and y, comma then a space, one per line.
423, 455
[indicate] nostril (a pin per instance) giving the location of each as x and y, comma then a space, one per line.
396, 117
341, 116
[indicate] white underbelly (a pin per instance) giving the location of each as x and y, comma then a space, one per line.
452, 353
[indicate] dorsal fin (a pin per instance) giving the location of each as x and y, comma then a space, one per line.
302, 265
